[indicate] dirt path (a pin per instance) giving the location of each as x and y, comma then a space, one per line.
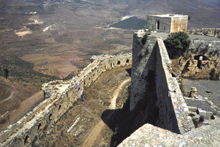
9, 97
6, 92
93, 135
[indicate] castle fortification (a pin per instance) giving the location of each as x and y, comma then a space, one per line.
169, 23
161, 111
155, 85
59, 97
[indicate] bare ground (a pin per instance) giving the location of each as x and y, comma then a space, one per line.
63, 48
96, 131
5, 91
88, 131
23, 107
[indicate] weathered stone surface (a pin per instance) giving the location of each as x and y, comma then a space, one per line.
200, 104
149, 135
141, 52
59, 97
169, 23
151, 65
168, 99
152, 82
193, 92
207, 31
208, 89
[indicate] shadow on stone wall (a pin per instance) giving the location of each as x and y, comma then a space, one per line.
59, 98
124, 122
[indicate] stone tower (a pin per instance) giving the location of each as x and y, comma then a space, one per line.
169, 23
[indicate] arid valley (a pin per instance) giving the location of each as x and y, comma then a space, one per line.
45, 40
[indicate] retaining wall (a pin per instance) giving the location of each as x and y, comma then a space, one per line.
59, 97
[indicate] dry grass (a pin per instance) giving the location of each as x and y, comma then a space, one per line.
5, 91
57, 65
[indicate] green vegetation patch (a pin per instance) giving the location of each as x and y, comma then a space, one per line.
177, 44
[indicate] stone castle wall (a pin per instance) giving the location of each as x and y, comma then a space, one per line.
153, 84
173, 111
163, 22
179, 24
59, 97
207, 31
169, 23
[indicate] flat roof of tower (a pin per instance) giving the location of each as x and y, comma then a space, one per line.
168, 15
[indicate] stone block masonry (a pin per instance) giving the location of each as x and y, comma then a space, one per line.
170, 98
149, 135
153, 84
165, 120
169, 23
59, 97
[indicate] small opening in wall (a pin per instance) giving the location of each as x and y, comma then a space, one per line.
197, 111
39, 126
118, 62
59, 107
212, 117
27, 140
199, 65
173, 75
50, 117
127, 61
158, 25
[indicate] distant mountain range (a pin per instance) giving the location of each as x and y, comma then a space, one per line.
203, 13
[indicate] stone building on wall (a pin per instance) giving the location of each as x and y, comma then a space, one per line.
169, 23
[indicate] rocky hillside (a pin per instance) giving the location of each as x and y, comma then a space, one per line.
203, 13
